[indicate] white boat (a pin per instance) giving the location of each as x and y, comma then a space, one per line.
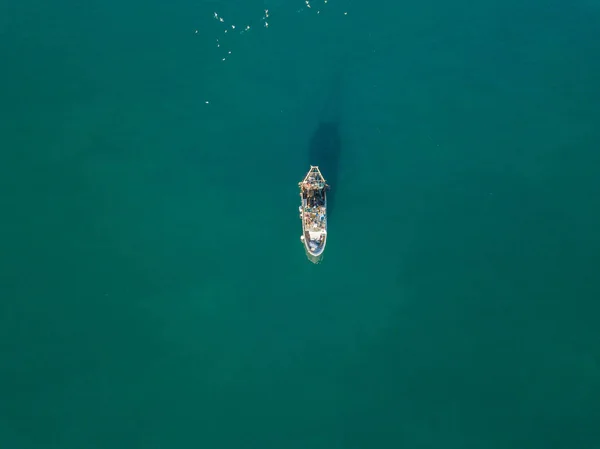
313, 213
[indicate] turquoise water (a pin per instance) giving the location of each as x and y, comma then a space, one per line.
154, 289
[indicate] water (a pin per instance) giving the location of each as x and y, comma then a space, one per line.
154, 288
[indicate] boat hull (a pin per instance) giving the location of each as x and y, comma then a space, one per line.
313, 214
314, 252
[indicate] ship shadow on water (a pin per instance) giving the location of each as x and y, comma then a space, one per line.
324, 151
325, 145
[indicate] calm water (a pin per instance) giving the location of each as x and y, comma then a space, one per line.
154, 292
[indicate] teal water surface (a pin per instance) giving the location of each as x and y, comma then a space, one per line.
154, 290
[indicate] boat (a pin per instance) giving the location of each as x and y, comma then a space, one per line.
313, 213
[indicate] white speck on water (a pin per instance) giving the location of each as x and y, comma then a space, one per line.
265, 18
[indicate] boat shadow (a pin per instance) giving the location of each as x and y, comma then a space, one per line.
324, 151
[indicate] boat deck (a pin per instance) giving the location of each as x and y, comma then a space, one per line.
314, 218
313, 211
